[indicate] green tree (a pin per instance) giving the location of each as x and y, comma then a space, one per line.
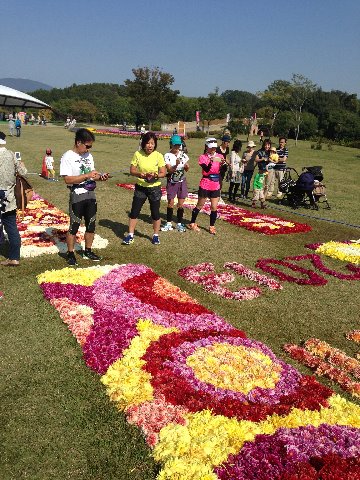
82, 110
150, 92
241, 104
276, 99
301, 89
184, 109
212, 107
285, 95
284, 124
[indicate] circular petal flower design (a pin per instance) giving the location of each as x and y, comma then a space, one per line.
228, 374
306, 453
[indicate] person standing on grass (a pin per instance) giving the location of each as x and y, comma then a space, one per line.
18, 127
9, 166
176, 162
78, 170
209, 187
11, 126
223, 149
248, 160
280, 167
49, 163
261, 159
235, 170
148, 166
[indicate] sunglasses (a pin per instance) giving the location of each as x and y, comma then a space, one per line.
87, 146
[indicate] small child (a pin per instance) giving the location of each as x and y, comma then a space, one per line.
274, 157
258, 185
176, 165
49, 162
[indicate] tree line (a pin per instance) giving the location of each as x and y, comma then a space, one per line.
296, 108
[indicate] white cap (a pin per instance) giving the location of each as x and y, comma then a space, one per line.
211, 142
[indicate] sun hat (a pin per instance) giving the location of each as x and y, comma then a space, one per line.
175, 140
211, 142
251, 144
2, 138
226, 138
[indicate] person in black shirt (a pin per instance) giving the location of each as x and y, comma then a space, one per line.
224, 150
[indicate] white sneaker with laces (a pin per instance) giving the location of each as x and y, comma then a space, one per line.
167, 227
180, 227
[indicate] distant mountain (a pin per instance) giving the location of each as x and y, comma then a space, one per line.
24, 84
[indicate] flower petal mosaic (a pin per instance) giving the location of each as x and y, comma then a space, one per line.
347, 251
254, 221
43, 230
211, 403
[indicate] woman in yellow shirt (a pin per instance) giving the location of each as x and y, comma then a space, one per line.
148, 166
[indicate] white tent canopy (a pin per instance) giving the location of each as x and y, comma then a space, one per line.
9, 97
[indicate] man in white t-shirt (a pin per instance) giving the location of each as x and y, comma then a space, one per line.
176, 165
78, 170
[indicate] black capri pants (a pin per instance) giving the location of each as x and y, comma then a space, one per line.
153, 194
85, 209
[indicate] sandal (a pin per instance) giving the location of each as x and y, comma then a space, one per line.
194, 227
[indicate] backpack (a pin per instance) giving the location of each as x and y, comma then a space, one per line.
17, 123
23, 192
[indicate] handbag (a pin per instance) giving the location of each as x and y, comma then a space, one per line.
23, 192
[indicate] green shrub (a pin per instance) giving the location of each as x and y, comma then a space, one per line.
198, 134
354, 144
317, 145
216, 133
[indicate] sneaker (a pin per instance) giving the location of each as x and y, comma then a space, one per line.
263, 205
253, 205
128, 239
194, 227
167, 227
180, 227
212, 230
71, 259
155, 240
89, 255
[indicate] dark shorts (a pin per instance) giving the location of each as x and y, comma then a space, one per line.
202, 193
153, 194
85, 209
179, 190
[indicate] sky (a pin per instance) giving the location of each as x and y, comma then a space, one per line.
204, 44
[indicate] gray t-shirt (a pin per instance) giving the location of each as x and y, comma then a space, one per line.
250, 160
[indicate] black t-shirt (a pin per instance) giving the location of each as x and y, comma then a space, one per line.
223, 167
224, 154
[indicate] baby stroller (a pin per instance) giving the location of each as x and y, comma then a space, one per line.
319, 193
287, 184
307, 191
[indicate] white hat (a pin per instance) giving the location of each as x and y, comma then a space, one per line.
2, 138
211, 142
251, 144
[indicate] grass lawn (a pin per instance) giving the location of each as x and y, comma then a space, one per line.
56, 421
